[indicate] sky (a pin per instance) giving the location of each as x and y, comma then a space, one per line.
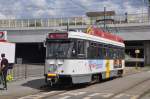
22, 9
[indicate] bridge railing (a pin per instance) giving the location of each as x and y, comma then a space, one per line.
74, 21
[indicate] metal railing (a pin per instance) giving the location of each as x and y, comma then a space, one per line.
74, 21
24, 71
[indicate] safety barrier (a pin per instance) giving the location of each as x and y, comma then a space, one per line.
23, 71
73, 21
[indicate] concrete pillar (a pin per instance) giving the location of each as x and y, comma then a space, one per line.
148, 10
147, 52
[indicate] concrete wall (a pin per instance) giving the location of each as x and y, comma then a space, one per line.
147, 52
129, 33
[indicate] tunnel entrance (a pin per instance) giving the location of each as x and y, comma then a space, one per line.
30, 52
130, 55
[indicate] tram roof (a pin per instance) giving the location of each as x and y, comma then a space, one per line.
81, 35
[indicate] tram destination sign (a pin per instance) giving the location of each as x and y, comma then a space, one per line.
58, 35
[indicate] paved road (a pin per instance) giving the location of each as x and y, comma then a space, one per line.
129, 87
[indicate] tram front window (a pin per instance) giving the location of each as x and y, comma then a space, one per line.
59, 49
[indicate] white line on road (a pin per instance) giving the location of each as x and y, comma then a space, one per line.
65, 97
134, 97
94, 94
31, 97
87, 98
39, 95
73, 93
64, 93
106, 95
51, 92
118, 96
126, 95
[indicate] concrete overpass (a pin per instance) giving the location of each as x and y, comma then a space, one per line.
135, 34
130, 32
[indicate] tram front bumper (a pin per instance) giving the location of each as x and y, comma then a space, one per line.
51, 78
51, 75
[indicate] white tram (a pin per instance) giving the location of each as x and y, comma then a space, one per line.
78, 57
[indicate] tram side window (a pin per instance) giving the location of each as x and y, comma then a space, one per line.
120, 54
80, 49
114, 54
108, 53
92, 52
111, 53
104, 52
100, 53
74, 50
123, 53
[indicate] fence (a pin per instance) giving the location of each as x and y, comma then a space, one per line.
74, 21
23, 71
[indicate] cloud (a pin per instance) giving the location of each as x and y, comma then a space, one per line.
133, 9
57, 8
2, 16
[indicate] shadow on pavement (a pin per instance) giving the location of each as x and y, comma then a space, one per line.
1, 88
36, 84
40, 84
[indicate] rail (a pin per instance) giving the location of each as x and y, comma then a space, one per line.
73, 21
24, 71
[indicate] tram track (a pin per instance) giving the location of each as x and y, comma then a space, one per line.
50, 92
53, 91
41, 95
131, 88
114, 96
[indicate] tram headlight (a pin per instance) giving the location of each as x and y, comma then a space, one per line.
52, 68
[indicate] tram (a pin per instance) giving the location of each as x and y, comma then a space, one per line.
82, 57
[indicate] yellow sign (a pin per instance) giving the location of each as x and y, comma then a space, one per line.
107, 68
90, 30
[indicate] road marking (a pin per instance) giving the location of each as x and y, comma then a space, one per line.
87, 98
106, 95
73, 93
31, 97
126, 95
135, 97
118, 96
65, 97
51, 92
94, 94
80, 93
39, 95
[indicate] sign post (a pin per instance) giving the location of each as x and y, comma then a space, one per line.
137, 51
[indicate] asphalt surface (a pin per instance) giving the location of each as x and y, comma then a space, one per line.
129, 87
134, 85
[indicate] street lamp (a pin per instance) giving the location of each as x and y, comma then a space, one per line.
137, 51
